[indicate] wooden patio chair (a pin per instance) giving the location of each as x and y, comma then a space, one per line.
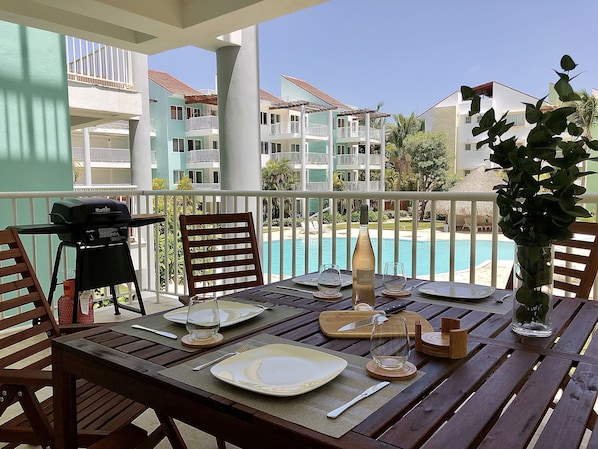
26, 409
221, 253
575, 261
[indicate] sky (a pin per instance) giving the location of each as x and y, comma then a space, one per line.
409, 55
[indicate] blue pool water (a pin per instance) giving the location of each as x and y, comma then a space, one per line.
462, 250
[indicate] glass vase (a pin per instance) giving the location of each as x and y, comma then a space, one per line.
532, 284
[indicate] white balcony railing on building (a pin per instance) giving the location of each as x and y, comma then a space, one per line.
356, 160
203, 123
107, 155
287, 250
206, 186
358, 133
94, 63
294, 158
360, 186
199, 156
284, 129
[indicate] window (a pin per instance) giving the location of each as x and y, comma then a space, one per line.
176, 112
517, 119
341, 149
264, 147
193, 112
274, 118
263, 118
468, 119
275, 148
214, 145
177, 176
216, 177
295, 147
196, 176
193, 145
213, 112
467, 147
178, 145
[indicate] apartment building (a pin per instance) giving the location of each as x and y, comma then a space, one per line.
451, 116
316, 133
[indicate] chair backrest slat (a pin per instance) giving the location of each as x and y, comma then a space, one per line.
575, 261
221, 252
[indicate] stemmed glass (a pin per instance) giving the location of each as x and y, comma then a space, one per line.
203, 321
389, 342
329, 281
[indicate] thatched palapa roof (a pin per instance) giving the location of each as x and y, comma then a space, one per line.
479, 180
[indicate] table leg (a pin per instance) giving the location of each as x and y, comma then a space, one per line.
65, 404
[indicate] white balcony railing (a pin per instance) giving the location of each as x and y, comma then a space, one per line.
285, 129
108, 155
93, 63
295, 158
358, 134
433, 249
203, 123
356, 160
199, 156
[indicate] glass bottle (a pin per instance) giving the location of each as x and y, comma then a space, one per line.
363, 265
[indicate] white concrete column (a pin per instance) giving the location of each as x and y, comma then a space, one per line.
383, 155
330, 152
367, 151
303, 149
239, 114
139, 130
87, 157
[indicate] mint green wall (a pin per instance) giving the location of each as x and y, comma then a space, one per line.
35, 139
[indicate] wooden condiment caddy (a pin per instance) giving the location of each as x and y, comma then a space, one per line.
450, 342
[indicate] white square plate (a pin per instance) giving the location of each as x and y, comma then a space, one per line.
457, 290
231, 312
279, 369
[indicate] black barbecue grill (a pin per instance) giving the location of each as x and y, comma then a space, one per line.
98, 228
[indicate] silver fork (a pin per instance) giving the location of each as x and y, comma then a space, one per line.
246, 346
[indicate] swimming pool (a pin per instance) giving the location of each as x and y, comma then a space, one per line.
462, 249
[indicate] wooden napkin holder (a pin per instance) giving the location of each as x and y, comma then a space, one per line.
450, 342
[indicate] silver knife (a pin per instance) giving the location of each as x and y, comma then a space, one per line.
334, 413
370, 320
163, 333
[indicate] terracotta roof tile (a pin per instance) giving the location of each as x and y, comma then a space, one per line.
171, 84
267, 96
317, 93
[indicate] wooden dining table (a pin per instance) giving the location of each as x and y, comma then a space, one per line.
508, 391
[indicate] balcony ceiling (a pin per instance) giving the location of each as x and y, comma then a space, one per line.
149, 26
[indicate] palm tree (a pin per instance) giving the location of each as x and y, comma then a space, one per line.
279, 175
395, 148
586, 112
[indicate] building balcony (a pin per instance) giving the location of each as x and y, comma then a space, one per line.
357, 135
357, 161
206, 185
314, 160
361, 186
206, 125
203, 159
292, 131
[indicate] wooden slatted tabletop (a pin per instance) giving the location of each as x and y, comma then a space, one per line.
508, 391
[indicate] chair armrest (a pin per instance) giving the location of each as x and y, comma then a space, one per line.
26, 376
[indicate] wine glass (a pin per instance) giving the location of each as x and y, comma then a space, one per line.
394, 278
389, 342
329, 280
203, 319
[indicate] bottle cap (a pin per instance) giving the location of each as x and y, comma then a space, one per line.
363, 216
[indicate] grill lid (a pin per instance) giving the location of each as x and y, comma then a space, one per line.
90, 212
